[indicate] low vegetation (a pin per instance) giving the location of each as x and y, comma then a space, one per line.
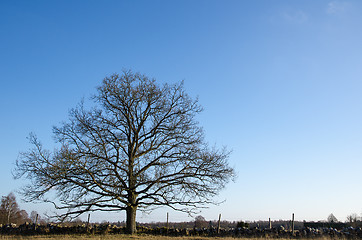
109, 237
135, 237
16, 224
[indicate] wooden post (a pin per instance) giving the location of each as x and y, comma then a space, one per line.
36, 221
218, 224
9, 216
88, 220
167, 224
270, 226
293, 223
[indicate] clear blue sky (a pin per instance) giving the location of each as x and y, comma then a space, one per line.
280, 82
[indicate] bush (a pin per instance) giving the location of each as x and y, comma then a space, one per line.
242, 224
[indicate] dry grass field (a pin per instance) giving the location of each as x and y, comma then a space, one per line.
126, 237
108, 237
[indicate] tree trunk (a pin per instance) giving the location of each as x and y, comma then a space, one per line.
132, 207
131, 220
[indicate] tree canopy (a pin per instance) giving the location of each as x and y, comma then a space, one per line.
140, 146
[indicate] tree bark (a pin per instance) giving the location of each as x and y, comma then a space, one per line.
131, 219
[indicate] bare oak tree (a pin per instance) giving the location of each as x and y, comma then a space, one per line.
139, 147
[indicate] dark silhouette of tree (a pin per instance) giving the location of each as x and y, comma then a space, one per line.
241, 224
138, 148
352, 219
200, 222
10, 212
332, 219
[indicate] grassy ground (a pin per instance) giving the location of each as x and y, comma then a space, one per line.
109, 237
125, 237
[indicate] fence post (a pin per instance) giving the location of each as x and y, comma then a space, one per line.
167, 224
270, 226
88, 220
218, 224
36, 222
293, 223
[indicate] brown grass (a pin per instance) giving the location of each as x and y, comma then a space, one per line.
110, 237
125, 237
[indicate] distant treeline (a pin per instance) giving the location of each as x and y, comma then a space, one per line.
279, 224
336, 225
